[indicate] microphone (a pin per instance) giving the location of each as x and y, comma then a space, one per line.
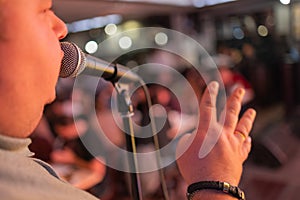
76, 62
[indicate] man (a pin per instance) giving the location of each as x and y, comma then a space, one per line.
30, 58
30, 62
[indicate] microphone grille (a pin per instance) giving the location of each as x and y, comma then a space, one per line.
73, 62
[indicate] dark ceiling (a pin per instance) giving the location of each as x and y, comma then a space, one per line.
73, 10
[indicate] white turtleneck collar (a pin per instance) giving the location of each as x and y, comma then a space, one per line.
17, 145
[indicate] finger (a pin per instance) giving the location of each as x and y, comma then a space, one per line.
246, 148
248, 144
241, 135
222, 116
208, 105
245, 124
232, 109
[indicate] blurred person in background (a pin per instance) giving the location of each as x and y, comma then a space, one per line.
233, 79
70, 132
81, 167
30, 34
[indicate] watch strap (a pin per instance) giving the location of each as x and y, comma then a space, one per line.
216, 185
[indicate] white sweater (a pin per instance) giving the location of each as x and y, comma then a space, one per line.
22, 177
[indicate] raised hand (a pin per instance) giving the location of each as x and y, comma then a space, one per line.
217, 149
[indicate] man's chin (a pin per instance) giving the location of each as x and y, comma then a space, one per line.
51, 99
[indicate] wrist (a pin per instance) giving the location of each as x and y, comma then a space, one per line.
233, 179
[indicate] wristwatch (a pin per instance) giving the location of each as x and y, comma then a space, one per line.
215, 185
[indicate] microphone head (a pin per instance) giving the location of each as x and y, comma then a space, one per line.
73, 62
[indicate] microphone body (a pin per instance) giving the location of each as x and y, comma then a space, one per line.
75, 62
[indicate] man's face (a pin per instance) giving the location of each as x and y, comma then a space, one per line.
30, 57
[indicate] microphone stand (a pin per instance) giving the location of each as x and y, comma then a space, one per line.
126, 110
